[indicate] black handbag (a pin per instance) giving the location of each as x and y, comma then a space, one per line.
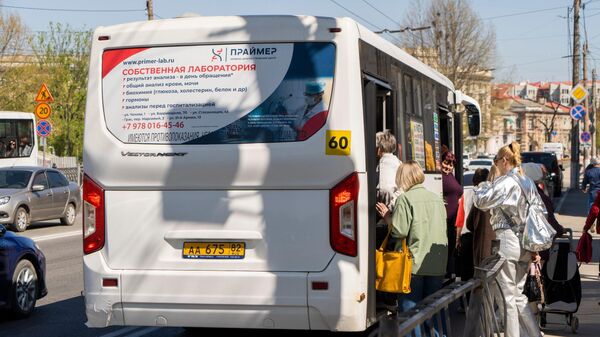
534, 288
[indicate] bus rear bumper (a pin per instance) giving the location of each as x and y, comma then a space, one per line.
192, 298
225, 299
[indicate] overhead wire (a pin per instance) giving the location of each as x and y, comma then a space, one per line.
523, 13
73, 10
365, 20
394, 21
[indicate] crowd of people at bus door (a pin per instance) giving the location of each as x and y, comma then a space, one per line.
493, 211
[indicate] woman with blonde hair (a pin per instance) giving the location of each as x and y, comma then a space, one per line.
420, 216
507, 198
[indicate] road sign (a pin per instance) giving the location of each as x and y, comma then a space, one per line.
586, 145
585, 137
579, 93
577, 112
44, 95
43, 128
43, 110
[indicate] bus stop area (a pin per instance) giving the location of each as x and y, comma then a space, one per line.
441, 307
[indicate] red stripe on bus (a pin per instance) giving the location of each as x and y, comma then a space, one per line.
111, 58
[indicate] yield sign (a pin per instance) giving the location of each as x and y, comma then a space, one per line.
44, 128
44, 95
577, 112
579, 93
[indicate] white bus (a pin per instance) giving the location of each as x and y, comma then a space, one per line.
231, 171
18, 143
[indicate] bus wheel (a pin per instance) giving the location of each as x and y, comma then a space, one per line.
21, 220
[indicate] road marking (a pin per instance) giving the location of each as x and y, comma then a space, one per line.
561, 201
55, 236
121, 331
143, 332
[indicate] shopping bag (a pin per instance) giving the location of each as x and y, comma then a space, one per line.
534, 288
584, 248
393, 268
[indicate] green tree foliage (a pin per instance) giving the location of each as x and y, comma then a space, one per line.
61, 58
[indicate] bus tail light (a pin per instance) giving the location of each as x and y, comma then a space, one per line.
93, 216
343, 200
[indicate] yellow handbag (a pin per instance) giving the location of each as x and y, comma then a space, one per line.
393, 269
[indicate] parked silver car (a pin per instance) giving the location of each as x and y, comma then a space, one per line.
36, 193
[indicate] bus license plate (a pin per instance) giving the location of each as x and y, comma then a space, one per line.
214, 250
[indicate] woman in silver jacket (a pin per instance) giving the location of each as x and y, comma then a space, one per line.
506, 198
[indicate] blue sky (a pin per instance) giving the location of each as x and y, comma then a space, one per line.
530, 45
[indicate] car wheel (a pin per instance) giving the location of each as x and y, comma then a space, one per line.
21, 220
69, 218
24, 290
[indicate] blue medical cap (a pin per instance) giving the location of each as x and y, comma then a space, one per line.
313, 88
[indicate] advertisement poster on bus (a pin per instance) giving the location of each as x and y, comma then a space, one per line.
418, 145
218, 94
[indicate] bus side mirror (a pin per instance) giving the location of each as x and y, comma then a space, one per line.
473, 121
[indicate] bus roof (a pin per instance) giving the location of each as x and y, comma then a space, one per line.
16, 115
236, 27
404, 57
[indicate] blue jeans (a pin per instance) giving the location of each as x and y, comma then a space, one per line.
591, 197
421, 287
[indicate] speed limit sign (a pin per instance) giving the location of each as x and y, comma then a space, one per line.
43, 110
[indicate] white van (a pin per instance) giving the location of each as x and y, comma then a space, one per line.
230, 169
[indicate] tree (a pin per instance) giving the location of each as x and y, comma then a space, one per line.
549, 125
12, 41
61, 57
458, 44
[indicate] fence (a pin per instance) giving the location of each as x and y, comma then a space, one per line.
74, 174
434, 312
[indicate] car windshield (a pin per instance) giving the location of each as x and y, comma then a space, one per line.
548, 159
14, 178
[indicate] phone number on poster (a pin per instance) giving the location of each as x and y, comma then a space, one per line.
153, 125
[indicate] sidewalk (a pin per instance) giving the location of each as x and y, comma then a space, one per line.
571, 213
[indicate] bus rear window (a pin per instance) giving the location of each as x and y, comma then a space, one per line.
218, 94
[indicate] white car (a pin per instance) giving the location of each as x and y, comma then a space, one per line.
465, 159
480, 163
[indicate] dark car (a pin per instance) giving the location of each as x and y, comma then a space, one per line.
22, 273
550, 162
36, 193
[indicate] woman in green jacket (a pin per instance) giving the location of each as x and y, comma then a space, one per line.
420, 217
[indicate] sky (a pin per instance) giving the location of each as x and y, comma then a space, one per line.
532, 35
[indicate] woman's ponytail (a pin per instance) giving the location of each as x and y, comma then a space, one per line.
516, 150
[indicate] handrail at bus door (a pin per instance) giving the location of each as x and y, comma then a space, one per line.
436, 307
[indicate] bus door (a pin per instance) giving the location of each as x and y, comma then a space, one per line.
378, 115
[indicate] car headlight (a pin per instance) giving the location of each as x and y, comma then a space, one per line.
4, 200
